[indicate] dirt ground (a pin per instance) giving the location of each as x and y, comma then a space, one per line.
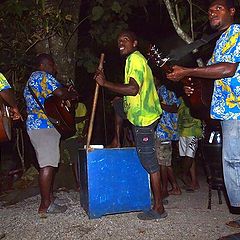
188, 217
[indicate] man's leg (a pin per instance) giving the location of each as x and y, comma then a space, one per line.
175, 188
231, 164
45, 185
118, 121
145, 144
157, 193
193, 174
164, 180
162, 153
116, 143
72, 145
46, 145
187, 164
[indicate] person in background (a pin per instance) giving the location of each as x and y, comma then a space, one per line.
190, 130
223, 68
166, 132
142, 109
72, 144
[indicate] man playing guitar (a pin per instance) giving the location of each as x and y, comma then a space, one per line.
43, 135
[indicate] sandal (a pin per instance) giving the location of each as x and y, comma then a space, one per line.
234, 223
152, 215
55, 208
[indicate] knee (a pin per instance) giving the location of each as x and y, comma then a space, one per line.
148, 159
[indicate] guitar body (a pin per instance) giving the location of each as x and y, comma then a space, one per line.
61, 114
5, 123
200, 100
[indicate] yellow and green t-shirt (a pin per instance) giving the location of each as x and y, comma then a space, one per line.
3, 83
80, 111
187, 125
144, 108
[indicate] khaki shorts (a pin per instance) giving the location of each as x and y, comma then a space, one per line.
164, 152
46, 144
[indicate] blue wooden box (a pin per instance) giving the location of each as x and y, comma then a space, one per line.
112, 181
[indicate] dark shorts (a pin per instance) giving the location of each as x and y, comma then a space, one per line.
144, 138
145, 145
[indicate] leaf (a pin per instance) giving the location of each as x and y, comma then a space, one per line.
116, 7
97, 13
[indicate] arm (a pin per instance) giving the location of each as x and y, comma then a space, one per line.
8, 96
130, 89
215, 71
66, 93
169, 108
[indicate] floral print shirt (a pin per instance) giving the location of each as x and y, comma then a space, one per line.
226, 94
167, 128
43, 85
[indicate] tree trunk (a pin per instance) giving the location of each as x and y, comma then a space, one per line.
64, 55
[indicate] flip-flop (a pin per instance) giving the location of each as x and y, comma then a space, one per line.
234, 223
152, 215
55, 208
60, 201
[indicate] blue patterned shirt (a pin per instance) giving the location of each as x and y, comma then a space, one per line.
43, 84
4, 83
167, 128
226, 94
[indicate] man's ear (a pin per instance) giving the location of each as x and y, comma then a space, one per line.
135, 43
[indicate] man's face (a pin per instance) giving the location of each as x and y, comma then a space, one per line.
219, 15
126, 44
49, 67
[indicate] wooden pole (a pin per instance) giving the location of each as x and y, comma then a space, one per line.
90, 128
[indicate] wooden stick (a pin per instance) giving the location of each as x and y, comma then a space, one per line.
90, 128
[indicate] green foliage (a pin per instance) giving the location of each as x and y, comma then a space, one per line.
97, 13
35, 20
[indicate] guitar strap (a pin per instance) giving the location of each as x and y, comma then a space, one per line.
52, 120
178, 53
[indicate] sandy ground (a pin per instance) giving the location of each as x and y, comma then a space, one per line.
188, 218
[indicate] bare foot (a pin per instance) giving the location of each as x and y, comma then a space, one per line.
175, 191
196, 186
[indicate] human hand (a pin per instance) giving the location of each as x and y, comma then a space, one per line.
100, 77
188, 90
15, 114
74, 94
177, 73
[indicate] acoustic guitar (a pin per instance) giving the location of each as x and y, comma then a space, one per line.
200, 100
5, 122
61, 114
